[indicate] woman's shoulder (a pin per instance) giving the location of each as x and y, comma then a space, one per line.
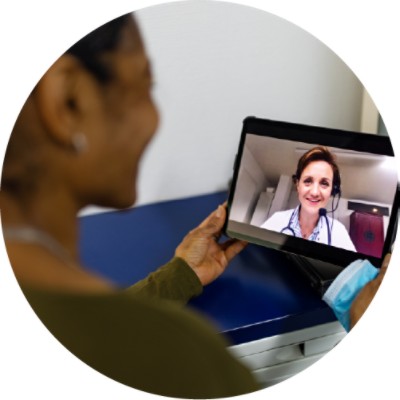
155, 346
337, 225
66, 307
281, 214
285, 212
276, 218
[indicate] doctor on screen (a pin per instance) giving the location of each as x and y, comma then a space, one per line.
316, 179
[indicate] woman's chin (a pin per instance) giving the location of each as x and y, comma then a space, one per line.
120, 201
312, 208
127, 202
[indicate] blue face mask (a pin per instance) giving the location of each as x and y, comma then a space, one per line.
345, 288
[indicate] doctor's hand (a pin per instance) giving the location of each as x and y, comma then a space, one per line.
367, 293
202, 252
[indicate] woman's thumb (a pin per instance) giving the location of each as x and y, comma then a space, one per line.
216, 221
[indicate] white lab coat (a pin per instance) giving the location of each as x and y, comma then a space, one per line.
339, 235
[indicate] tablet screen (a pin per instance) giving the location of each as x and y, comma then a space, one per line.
322, 193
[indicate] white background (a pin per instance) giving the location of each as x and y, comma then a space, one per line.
363, 34
215, 63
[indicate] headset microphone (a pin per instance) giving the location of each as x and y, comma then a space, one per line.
322, 212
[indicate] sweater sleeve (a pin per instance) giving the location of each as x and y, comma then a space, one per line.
173, 281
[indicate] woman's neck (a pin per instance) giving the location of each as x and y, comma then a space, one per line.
307, 223
55, 217
42, 245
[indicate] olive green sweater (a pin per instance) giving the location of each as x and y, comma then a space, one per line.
143, 337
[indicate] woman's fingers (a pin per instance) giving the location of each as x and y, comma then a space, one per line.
232, 248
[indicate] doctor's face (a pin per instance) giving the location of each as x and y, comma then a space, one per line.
315, 186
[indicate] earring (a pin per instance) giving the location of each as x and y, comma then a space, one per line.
79, 142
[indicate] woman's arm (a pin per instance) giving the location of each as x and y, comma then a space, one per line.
367, 293
199, 260
173, 281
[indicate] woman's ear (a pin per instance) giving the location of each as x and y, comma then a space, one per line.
56, 98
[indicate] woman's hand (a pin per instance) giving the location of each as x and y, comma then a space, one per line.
364, 298
202, 252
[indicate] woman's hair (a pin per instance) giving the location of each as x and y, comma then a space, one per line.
91, 47
319, 153
21, 170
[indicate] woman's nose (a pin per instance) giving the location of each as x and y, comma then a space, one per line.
314, 190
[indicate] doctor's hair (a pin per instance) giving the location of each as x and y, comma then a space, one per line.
319, 153
90, 50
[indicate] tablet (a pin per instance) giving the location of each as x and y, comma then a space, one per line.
287, 193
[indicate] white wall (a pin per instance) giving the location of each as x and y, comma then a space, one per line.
250, 182
216, 63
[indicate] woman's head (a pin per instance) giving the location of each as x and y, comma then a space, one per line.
317, 178
86, 124
91, 48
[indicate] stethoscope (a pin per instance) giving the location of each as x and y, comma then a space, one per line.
289, 227
322, 214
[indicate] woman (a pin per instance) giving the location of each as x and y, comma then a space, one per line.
78, 141
317, 178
